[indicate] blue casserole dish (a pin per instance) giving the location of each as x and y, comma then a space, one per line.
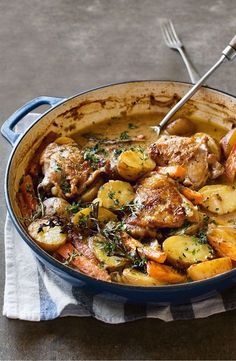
67, 116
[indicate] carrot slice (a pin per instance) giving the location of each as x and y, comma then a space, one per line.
163, 273
175, 171
28, 193
84, 264
230, 165
193, 196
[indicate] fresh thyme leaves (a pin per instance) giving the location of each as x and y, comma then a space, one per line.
65, 186
92, 158
139, 262
74, 207
71, 258
124, 135
117, 152
93, 154
109, 247
111, 194
113, 244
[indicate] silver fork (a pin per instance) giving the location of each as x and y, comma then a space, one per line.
172, 41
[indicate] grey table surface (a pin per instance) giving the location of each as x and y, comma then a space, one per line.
62, 47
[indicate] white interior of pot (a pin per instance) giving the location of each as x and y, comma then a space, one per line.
98, 105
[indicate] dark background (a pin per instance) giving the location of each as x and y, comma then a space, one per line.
62, 47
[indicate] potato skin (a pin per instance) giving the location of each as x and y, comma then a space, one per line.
183, 251
181, 126
137, 278
92, 192
56, 206
115, 194
110, 262
223, 240
104, 215
49, 238
208, 269
219, 198
134, 164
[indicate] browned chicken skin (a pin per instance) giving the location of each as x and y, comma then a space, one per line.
66, 173
159, 205
193, 153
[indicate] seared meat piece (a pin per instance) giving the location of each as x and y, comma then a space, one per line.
194, 153
159, 204
66, 173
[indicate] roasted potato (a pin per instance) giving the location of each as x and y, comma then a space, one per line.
209, 269
219, 198
104, 215
47, 235
134, 164
133, 277
228, 141
115, 194
56, 206
92, 192
65, 140
182, 251
111, 262
181, 126
164, 274
223, 240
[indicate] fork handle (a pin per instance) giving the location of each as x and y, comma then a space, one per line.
193, 74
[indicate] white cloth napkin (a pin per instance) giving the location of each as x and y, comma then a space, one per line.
34, 293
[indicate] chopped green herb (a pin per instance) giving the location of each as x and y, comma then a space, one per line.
124, 135
111, 194
65, 186
74, 207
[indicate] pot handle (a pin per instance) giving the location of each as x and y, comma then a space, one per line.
8, 125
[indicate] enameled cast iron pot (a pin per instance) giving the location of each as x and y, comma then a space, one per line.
67, 116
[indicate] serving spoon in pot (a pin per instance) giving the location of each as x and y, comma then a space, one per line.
229, 53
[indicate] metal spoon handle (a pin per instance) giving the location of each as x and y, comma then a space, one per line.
229, 54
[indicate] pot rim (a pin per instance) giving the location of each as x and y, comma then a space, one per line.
77, 274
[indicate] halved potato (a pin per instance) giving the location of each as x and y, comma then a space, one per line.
181, 126
132, 164
209, 269
111, 262
47, 235
115, 194
182, 251
56, 206
164, 274
223, 240
219, 198
104, 215
133, 277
